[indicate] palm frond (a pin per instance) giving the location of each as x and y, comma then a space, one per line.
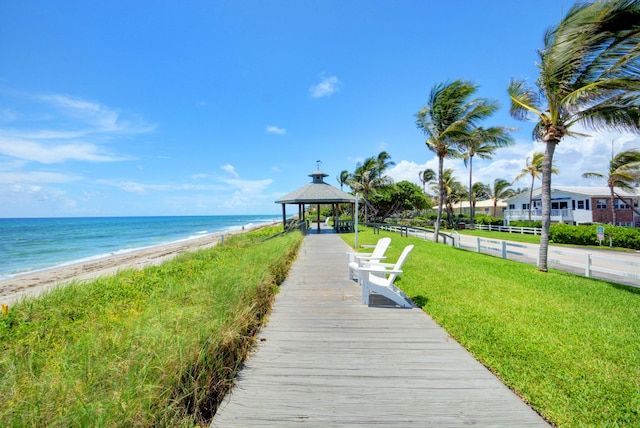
524, 101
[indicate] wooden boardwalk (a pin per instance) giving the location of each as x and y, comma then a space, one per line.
324, 359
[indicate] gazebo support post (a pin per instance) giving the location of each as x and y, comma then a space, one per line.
284, 217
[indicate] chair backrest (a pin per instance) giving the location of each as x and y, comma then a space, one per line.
400, 262
381, 247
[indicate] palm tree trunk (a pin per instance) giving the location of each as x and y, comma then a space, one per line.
471, 205
546, 205
440, 199
613, 208
531, 197
628, 202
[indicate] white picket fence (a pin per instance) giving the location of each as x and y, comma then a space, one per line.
580, 262
583, 262
510, 229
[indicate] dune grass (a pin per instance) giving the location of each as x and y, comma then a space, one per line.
568, 345
152, 347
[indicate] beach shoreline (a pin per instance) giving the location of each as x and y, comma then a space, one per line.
31, 284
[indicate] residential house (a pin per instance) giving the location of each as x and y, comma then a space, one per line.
576, 205
481, 207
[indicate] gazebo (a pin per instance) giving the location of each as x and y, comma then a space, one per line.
319, 193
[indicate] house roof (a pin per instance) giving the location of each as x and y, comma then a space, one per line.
488, 203
317, 192
593, 192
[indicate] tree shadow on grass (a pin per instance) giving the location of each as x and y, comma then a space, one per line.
420, 300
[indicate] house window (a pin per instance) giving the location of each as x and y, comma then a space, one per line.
580, 205
601, 204
525, 206
512, 206
620, 205
559, 205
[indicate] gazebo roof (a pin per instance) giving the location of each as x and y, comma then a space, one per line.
317, 192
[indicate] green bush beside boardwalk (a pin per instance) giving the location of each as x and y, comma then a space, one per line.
568, 345
156, 347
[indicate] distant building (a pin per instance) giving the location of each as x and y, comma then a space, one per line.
482, 207
576, 205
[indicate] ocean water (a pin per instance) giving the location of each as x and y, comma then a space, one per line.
33, 244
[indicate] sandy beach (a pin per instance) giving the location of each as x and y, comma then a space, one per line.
32, 284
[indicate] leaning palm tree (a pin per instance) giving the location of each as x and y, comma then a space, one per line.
624, 173
343, 178
426, 176
447, 119
589, 75
534, 169
501, 189
384, 162
483, 143
454, 192
368, 177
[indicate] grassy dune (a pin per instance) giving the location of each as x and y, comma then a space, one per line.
568, 345
155, 347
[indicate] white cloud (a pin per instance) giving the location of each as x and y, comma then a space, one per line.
327, 86
409, 170
144, 188
249, 187
572, 158
230, 169
7, 115
73, 151
199, 176
23, 177
272, 129
98, 116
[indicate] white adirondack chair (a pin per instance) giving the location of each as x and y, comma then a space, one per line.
357, 260
379, 277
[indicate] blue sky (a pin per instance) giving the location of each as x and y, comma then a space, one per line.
118, 108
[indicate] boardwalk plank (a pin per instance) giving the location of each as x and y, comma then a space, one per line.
324, 359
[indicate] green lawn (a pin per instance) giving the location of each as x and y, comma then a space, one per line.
157, 347
570, 346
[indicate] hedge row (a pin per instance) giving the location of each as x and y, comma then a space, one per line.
623, 237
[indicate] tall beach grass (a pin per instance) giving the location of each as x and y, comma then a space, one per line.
152, 347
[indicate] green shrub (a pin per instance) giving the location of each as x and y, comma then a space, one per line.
488, 220
623, 237
525, 223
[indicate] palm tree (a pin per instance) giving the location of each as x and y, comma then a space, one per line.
482, 143
447, 119
589, 75
534, 169
454, 191
501, 189
624, 172
426, 176
343, 178
370, 176
481, 192
384, 162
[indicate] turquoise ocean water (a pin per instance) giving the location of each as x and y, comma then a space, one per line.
28, 245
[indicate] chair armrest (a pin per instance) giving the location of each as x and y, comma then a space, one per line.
379, 265
369, 258
357, 254
376, 269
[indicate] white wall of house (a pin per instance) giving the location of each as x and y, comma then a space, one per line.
573, 205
